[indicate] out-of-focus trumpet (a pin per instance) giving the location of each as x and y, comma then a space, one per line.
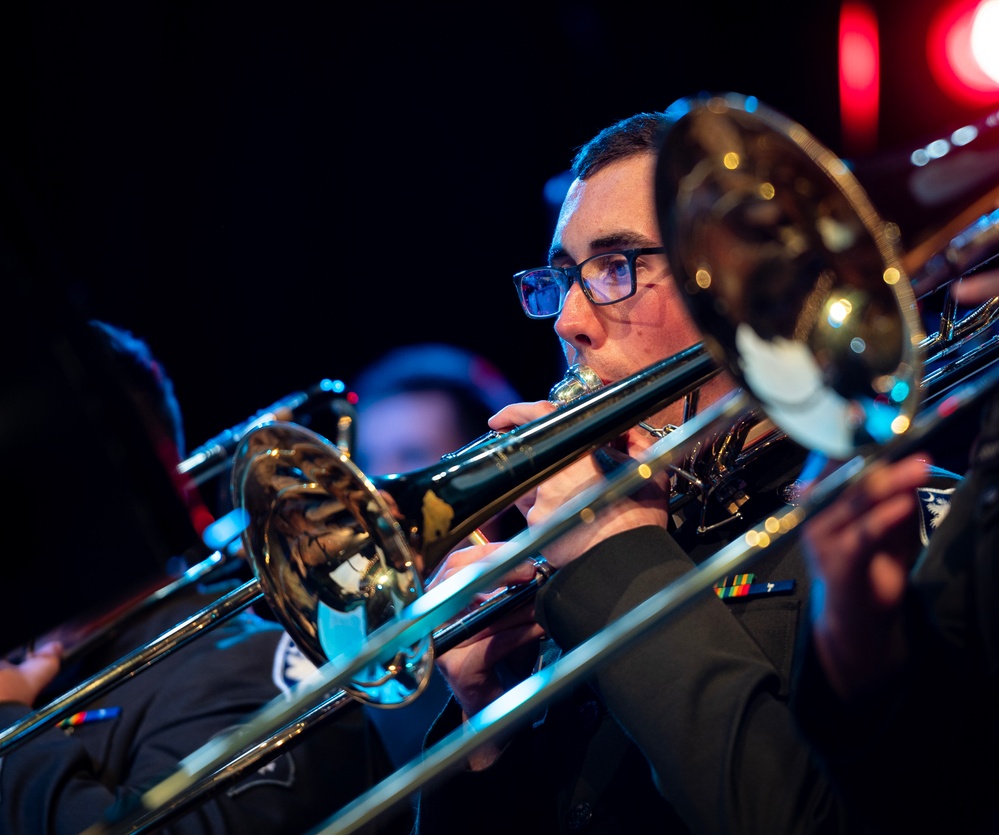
81, 635
213, 456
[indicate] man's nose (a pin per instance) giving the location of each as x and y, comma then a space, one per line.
576, 319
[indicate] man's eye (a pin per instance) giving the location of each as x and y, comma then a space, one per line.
615, 268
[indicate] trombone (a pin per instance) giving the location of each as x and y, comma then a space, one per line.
433, 509
814, 287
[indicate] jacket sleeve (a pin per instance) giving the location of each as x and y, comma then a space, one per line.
696, 693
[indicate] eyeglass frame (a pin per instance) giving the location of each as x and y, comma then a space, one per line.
574, 274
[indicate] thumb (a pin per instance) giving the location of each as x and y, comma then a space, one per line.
41, 666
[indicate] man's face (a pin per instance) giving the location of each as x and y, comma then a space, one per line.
614, 209
407, 431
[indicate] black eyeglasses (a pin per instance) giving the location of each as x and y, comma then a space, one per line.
605, 279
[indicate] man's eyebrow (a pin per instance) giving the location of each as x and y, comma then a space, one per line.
615, 240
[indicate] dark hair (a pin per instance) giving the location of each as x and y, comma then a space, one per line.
144, 378
638, 134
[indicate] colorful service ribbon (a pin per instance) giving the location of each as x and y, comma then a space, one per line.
745, 585
86, 716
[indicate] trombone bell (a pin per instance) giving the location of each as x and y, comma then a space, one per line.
787, 267
333, 562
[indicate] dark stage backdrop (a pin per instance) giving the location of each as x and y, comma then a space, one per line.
272, 194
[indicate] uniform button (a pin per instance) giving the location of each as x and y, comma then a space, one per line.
579, 817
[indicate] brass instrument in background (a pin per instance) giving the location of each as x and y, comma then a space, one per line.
81, 635
213, 456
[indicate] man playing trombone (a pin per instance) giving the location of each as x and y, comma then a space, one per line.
689, 730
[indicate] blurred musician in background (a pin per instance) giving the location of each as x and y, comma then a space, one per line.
102, 758
422, 401
898, 680
690, 727
416, 404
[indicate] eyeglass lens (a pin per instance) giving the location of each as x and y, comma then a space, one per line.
604, 278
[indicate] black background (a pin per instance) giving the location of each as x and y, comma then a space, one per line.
274, 194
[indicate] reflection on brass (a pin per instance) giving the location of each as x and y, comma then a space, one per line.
797, 305
331, 559
437, 516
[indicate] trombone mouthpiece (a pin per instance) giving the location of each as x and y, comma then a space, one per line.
577, 381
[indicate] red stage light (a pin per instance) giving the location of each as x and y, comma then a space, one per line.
859, 76
961, 51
